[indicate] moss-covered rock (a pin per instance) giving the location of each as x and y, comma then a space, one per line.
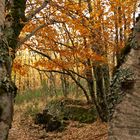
49, 122
80, 113
76, 110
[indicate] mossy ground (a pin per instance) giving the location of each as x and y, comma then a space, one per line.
76, 110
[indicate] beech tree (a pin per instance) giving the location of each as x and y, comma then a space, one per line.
12, 20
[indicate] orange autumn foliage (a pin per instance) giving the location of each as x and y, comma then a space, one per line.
19, 68
76, 31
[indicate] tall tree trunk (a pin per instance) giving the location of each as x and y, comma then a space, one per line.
10, 28
125, 124
90, 82
65, 85
102, 86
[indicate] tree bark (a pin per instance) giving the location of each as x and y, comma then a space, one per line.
10, 28
102, 88
65, 85
90, 82
125, 124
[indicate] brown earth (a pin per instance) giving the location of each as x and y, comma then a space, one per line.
23, 128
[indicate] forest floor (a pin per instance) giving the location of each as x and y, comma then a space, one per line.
23, 128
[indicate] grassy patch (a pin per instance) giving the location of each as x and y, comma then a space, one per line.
29, 96
32, 109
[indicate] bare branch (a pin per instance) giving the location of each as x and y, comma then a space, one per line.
32, 33
68, 34
44, 70
37, 10
51, 21
77, 74
41, 53
60, 43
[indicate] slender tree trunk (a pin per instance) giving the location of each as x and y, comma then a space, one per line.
29, 72
65, 85
53, 78
101, 89
116, 49
90, 81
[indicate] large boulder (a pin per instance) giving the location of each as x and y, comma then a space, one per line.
49, 122
69, 109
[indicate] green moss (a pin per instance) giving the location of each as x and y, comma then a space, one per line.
75, 110
81, 114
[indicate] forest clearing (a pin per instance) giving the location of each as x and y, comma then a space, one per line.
69, 69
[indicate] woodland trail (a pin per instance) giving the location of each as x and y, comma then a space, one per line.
23, 128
